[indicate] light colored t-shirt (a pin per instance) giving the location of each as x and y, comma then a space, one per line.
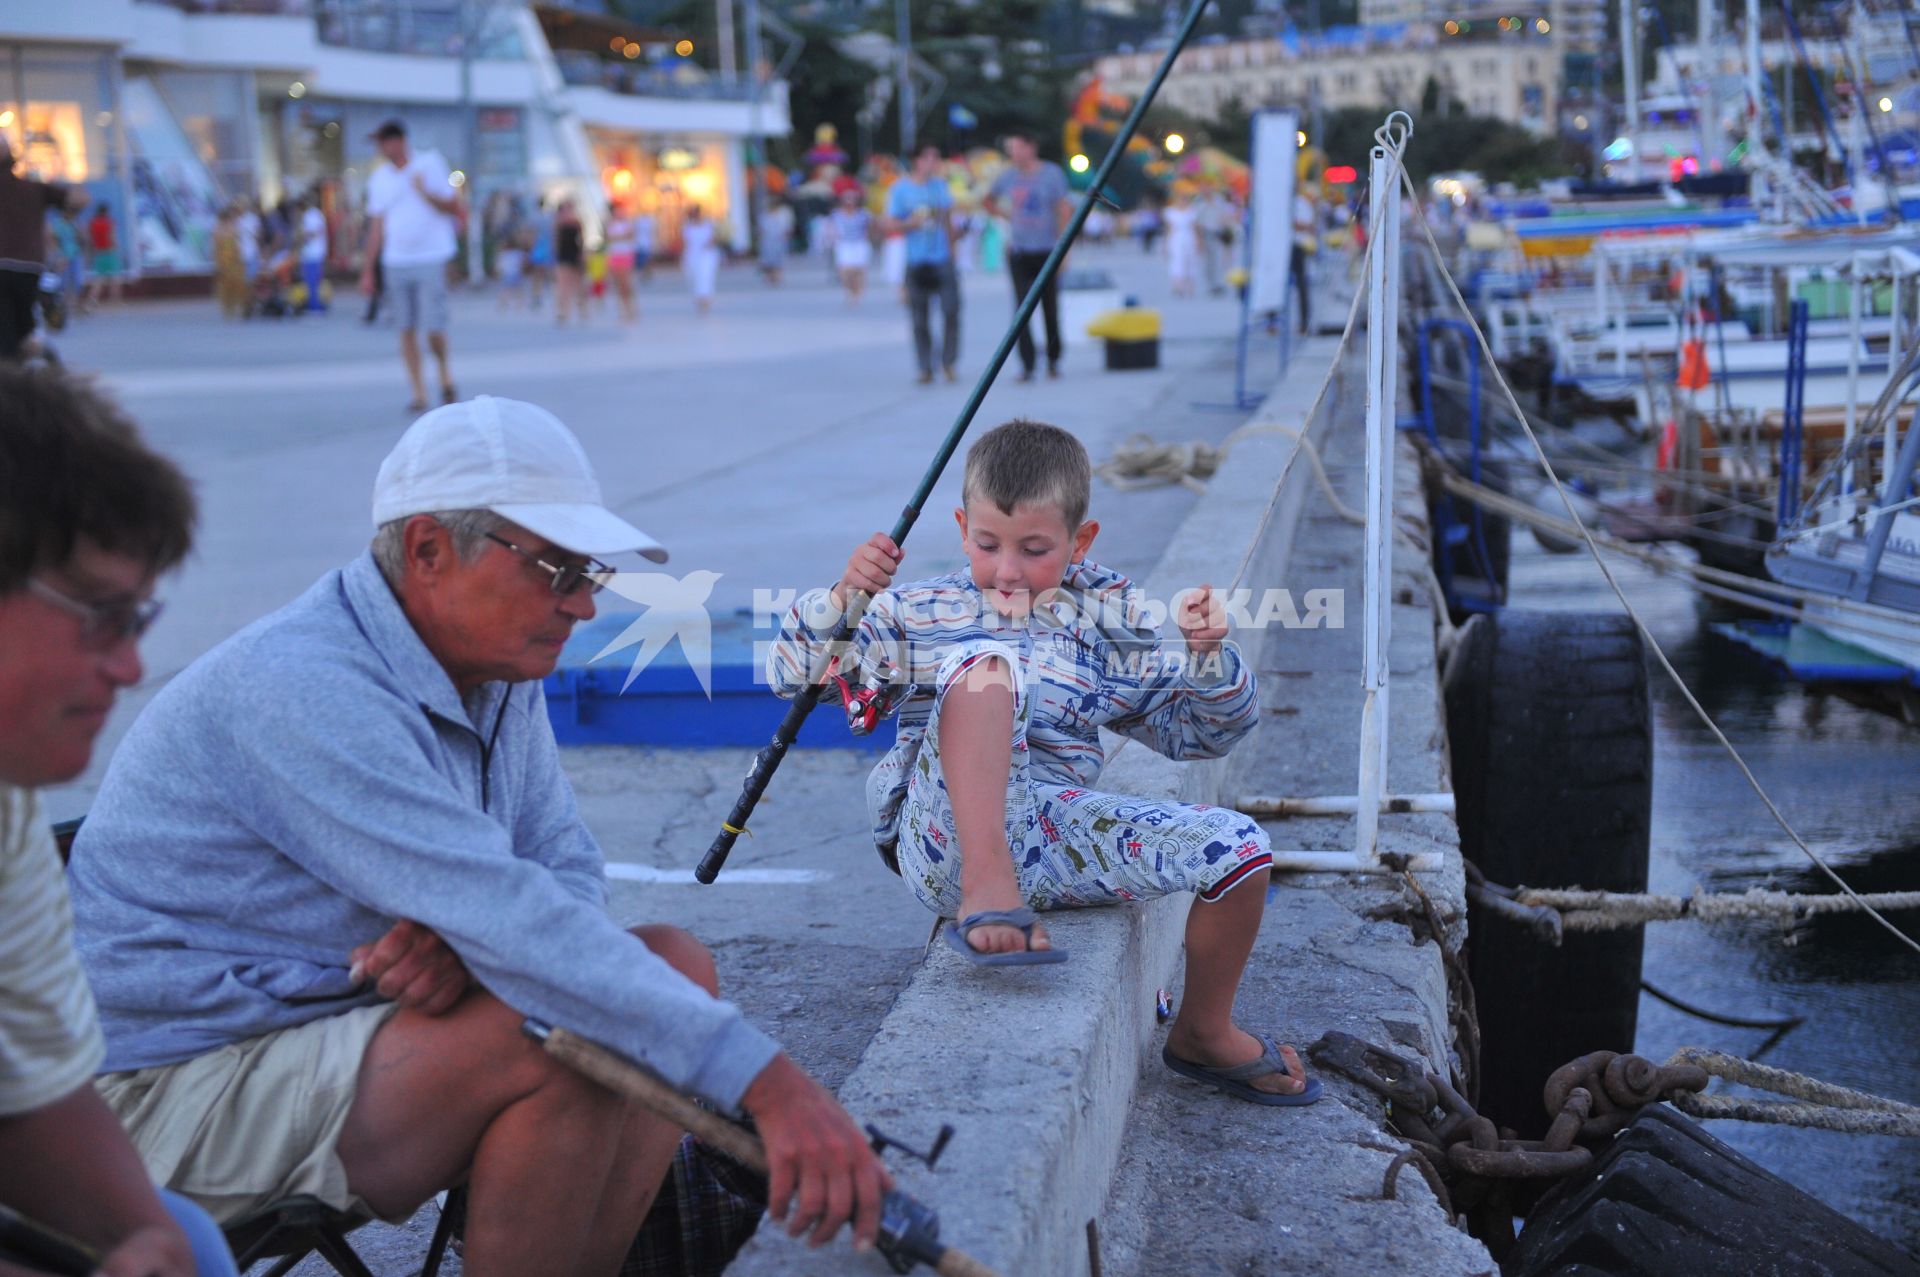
50, 1044
1306, 224
415, 233
1032, 203
313, 231
926, 243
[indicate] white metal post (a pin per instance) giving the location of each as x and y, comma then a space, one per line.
1383, 369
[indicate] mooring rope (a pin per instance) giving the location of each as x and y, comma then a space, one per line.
1144, 462
1809, 1102
1582, 910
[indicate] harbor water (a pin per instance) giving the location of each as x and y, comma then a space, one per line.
1848, 779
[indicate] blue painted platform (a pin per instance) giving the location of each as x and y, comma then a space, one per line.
1807, 655
666, 705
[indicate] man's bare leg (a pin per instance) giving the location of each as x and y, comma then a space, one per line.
648, 1145
556, 1166
410, 355
437, 342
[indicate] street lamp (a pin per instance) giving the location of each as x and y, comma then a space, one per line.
1886, 105
1079, 164
1175, 144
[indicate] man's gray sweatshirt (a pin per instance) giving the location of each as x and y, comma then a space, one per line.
313, 780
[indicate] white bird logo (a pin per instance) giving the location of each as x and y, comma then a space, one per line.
676, 608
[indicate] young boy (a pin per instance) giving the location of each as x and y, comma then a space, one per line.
984, 805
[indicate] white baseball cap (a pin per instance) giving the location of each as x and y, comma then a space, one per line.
514, 459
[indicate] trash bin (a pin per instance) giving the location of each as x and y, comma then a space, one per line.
1132, 336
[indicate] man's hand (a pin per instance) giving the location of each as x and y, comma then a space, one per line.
870, 570
152, 1251
413, 967
820, 1172
1203, 621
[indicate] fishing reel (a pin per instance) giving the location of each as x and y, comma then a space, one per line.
909, 1229
869, 697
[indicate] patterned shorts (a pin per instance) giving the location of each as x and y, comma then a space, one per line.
1071, 846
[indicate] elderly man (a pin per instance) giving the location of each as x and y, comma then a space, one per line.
88, 518
374, 868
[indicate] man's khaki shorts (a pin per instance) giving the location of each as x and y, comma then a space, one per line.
254, 1122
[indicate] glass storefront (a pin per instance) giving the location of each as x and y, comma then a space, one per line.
664, 176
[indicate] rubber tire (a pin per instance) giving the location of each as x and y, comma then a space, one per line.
1667, 1197
1551, 736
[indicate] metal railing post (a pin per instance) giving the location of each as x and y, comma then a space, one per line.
1383, 369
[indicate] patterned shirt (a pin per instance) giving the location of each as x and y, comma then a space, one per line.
1089, 659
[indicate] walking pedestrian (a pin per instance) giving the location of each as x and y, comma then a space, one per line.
699, 257
1216, 237
313, 251
1183, 242
623, 252
851, 227
1306, 246
72, 259
414, 207
23, 250
246, 234
776, 233
105, 265
569, 263
229, 272
1032, 195
539, 253
920, 207
646, 236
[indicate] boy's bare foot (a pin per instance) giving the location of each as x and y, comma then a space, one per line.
1231, 1049
992, 939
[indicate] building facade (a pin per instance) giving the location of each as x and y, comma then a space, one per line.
1511, 79
166, 110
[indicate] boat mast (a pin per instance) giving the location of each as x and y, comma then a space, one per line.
1630, 69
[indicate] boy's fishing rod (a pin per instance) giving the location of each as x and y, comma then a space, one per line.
767, 761
909, 1231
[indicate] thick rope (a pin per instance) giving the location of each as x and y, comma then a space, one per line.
1614, 911
1586, 534
1144, 462
1810, 1102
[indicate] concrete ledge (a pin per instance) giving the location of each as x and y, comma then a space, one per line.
1037, 1069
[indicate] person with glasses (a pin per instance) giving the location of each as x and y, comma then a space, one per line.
89, 518
374, 869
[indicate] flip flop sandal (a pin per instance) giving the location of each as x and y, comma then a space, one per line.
1023, 918
1233, 1079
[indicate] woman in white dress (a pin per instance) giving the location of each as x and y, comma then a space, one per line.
699, 256
1183, 243
852, 230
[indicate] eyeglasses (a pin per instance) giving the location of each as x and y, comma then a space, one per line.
568, 577
102, 625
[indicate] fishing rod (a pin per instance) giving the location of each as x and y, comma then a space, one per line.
909, 1231
767, 761
29, 1244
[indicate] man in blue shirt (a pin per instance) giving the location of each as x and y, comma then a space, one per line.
921, 207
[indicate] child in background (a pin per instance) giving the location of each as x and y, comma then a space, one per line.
985, 804
512, 264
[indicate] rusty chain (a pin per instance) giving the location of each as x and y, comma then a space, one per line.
1588, 1099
